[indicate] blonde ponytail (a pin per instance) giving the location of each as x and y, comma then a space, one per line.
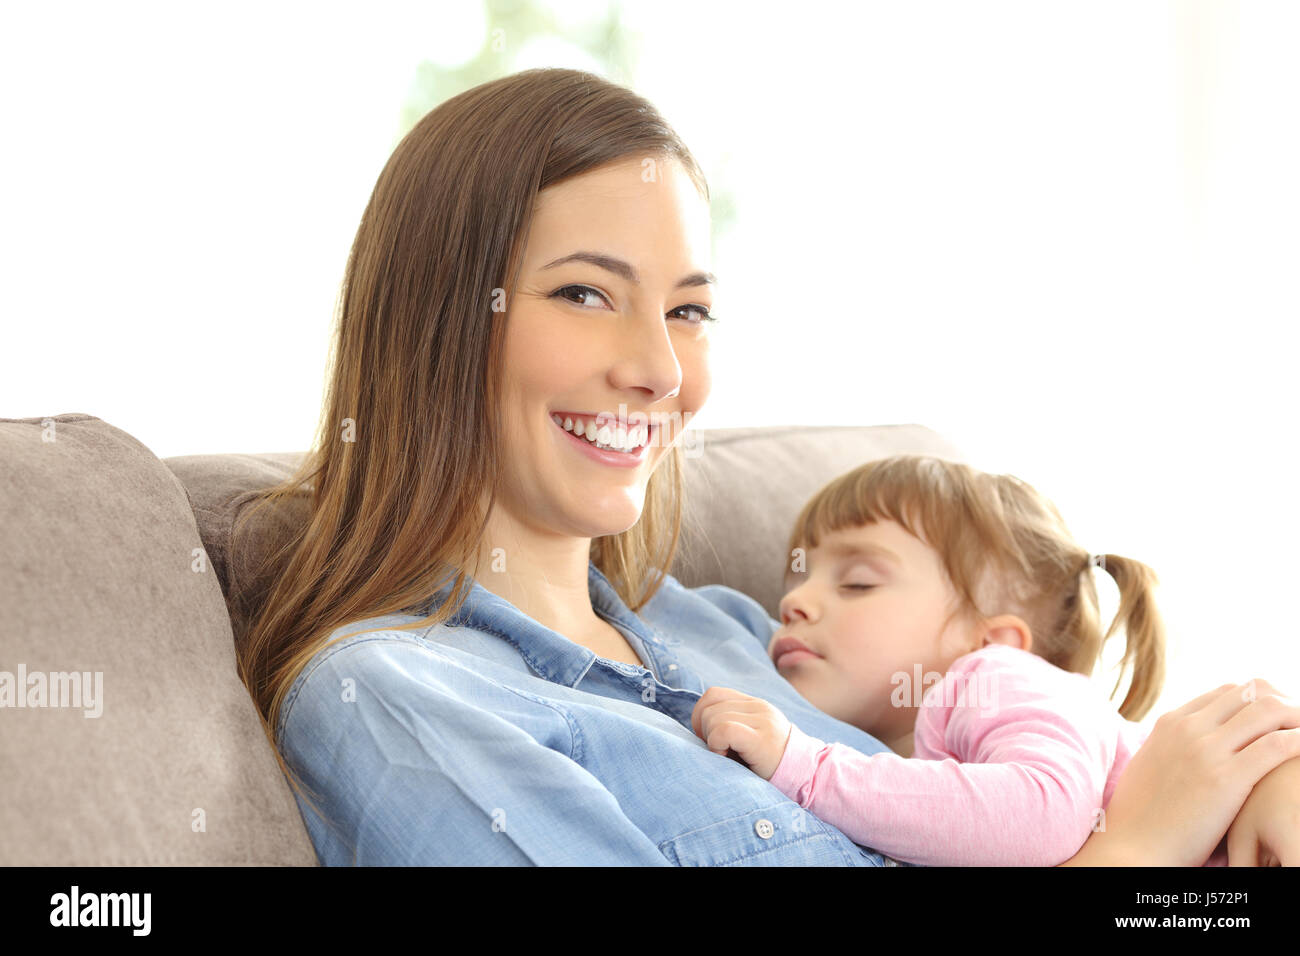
1144, 652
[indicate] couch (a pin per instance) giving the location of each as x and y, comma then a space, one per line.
117, 567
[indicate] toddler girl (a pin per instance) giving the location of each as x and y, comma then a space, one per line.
950, 614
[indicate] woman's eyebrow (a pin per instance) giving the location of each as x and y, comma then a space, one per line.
625, 270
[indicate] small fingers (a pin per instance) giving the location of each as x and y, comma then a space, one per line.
731, 735
713, 695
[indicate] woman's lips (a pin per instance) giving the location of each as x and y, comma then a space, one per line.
788, 651
617, 459
645, 422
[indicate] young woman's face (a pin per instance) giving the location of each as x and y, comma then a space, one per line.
872, 607
608, 326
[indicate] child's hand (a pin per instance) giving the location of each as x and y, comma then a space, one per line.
724, 718
1267, 829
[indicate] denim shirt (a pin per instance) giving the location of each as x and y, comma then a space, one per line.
493, 740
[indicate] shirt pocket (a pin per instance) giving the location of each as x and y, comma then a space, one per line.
783, 834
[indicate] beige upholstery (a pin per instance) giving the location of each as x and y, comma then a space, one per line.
113, 561
102, 570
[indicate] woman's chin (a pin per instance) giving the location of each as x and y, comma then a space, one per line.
598, 517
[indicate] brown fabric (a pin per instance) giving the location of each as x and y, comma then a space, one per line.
99, 573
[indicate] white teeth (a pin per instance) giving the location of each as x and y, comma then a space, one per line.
616, 437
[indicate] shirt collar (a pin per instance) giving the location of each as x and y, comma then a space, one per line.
547, 652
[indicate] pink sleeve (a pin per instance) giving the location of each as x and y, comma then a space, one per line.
1012, 756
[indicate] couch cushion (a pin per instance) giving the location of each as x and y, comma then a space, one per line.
221, 488
744, 487
102, 572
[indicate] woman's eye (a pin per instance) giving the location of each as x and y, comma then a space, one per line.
699, 310
581, 291
588, 297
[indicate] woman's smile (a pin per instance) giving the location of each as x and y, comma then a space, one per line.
604, 439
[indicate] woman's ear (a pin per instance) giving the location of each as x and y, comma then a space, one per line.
1007, 629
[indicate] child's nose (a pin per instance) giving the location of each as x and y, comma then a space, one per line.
791, 608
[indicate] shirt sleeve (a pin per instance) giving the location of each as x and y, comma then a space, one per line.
413, 772
1010, 767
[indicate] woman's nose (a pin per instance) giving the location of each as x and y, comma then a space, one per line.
647, 361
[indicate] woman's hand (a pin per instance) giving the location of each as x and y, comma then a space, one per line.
1185, 785
758, 732
1267, 830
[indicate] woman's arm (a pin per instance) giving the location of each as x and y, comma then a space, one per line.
1185, 785
411, 772
1267, 830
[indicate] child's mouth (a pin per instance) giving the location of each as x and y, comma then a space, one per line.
789, 651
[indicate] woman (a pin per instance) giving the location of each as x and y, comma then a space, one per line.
473, 653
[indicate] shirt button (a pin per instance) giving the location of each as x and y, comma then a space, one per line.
764, 829
672, 667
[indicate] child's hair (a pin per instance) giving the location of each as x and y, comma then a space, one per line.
1006, 550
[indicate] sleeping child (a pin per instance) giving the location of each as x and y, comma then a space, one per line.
950, 614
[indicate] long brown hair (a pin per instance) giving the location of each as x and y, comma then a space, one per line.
407, 441
1005, 549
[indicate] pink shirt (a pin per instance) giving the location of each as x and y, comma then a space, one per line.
1014, 760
